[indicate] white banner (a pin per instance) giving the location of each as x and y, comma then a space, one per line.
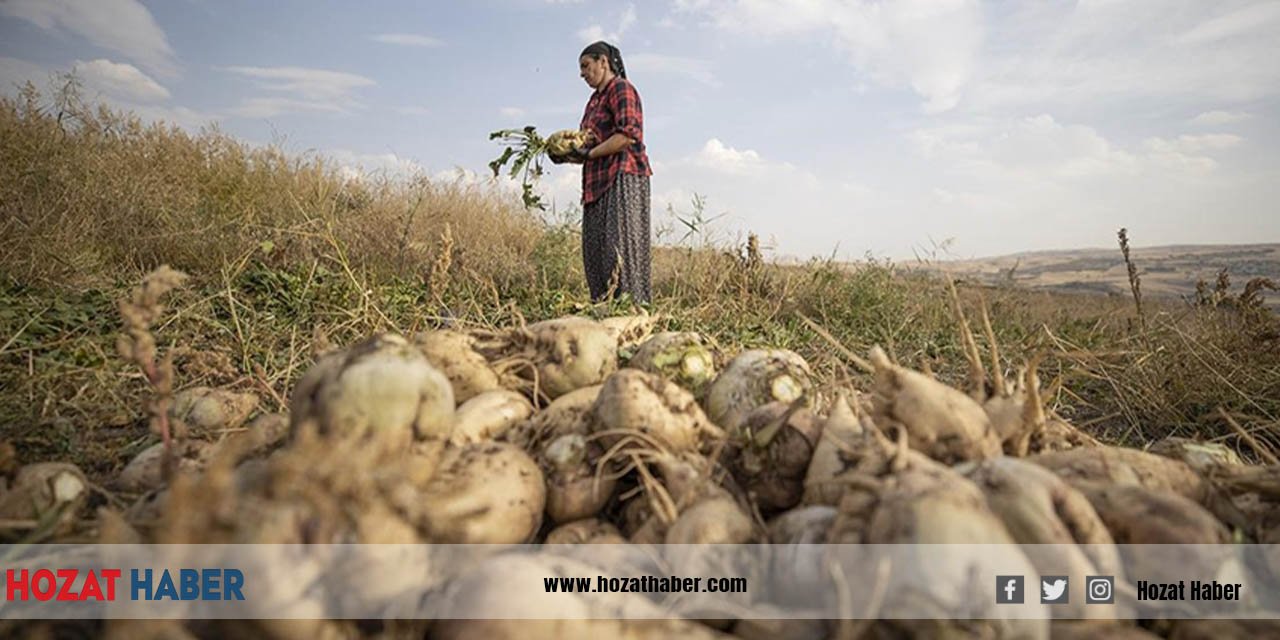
376, 582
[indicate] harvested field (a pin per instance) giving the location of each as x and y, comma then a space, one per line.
287, 357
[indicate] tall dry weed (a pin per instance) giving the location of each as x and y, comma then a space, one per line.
89, 194
137, 344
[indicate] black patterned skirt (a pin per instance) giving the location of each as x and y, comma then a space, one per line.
615, 240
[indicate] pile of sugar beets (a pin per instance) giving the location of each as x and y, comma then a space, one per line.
582, 431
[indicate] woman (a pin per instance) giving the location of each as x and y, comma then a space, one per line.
615, 180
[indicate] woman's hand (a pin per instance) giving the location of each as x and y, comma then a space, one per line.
580, 155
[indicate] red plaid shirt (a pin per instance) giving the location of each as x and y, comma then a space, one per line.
614, 108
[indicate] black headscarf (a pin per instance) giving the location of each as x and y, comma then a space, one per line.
610, 52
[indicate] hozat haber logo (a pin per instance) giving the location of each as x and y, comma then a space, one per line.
109, 585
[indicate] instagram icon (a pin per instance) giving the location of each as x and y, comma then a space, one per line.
1100, 590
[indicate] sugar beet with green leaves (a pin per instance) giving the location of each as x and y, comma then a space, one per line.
525, 149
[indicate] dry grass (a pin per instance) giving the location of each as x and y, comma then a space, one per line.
87, 194
285, 257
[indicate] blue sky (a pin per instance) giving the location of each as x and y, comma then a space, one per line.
824, 126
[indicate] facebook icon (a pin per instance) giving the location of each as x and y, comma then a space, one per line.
1009, 590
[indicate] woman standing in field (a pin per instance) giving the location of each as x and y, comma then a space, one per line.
615, 179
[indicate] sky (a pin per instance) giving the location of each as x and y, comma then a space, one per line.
896, 129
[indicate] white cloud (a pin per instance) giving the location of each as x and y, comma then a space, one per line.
628, 19
1039, 183
787, 17
360, 166
1095, 56
930, 46
112, 81
186, 118
408, 40
120, 80
561, 186
316, 84
413, 111
511, 112
596, 32
934, 141
1189, 151
465, 177
653, 63
271, 107
716, 156
1042, 150
856, 189
965, 199
123, 26
312, 90
592, 33
747, 187
673, 197
1251, 18
1214, 118
119, 89
1195, 143
1028, 57
1042, 147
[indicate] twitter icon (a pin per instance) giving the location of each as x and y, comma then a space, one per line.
1053, 590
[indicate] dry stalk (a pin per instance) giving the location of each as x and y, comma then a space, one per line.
1191, 348
977, 376
1251, 297
23, 329
260, 379
825, 335
408, 225
232, 303
366, 293
138, 345
1262, 451
1135, 282
753, 260
1092, 366
1033, 415
615, 279
997, 371
439, 278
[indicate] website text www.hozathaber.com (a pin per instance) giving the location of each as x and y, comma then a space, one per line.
645, 584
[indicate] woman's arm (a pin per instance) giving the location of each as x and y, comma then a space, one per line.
624, 102
615, 144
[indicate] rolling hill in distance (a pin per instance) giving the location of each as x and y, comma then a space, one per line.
1166, 272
